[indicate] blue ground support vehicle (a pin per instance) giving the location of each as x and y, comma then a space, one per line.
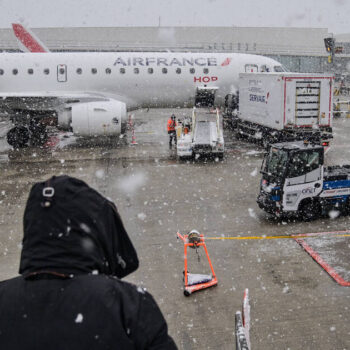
295, 181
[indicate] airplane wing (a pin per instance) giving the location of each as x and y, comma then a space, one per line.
84, 113
53, 100
27, 40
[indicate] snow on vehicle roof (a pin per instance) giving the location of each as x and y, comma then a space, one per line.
296, 145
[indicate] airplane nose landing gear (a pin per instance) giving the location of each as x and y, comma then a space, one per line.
38, 134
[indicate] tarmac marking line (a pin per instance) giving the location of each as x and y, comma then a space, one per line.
299, 239
322, 263
344, 233
306, 235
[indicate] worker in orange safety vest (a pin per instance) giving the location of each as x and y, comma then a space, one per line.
171, 130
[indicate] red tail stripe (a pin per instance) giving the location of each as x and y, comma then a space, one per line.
26, 39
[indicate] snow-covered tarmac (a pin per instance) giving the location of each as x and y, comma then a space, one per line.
294, 302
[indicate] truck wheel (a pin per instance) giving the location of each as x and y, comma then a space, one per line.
309, 210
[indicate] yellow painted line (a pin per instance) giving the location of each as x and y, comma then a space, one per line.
276, 237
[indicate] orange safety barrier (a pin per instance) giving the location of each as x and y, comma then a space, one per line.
195, 282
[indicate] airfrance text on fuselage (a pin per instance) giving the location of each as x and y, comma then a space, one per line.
147, 61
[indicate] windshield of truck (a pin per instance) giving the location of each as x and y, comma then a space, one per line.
276, 162
303, 162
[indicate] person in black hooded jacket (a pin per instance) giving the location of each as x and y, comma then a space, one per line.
69, 294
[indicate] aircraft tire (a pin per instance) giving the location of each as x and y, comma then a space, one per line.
38, 134
18, 137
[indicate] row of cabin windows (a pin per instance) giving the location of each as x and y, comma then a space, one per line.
79, 71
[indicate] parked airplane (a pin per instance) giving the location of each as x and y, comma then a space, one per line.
27, 40
90, 93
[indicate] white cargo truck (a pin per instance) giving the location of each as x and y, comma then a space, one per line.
202, 134
276, 107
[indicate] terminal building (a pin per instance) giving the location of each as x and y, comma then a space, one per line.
299, 49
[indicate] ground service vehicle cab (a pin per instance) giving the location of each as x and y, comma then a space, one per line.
295, 181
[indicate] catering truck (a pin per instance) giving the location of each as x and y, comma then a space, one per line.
202, 134
295, 181
279, 107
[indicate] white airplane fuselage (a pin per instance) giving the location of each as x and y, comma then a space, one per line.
90, 93
138, 79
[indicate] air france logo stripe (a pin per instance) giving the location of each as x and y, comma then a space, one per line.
226, 62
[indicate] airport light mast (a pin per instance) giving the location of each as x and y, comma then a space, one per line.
330, 44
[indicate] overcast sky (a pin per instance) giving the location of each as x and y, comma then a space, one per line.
331, 14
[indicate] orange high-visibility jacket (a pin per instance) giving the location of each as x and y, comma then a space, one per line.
171, 125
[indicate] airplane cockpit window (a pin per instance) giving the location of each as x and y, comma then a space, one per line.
30, 71
46, 71
164, 71
150, 70
265, 69
251, 68
2, 72
122, 70
205, 70
93, 70
279, 69
136, 71
15, 71
178, 70
192, 70
79, 71
108, 71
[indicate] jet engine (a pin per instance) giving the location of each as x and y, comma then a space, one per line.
98, 118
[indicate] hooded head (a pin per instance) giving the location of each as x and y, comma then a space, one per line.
70, 228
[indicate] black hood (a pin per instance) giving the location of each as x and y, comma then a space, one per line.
75, 231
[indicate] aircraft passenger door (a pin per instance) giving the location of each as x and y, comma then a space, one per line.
62, 73
251, 68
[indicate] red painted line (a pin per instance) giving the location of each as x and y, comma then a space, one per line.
323, 264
